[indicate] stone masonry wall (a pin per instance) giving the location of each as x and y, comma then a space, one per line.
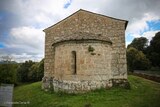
68, 27
56, 64
115, 31
82, 86
88, 22
79, 86
90, 66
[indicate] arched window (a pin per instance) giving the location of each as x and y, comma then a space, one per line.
74, 65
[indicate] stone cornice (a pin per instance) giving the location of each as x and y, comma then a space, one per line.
81, 36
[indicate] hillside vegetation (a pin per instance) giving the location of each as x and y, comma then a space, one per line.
143, 93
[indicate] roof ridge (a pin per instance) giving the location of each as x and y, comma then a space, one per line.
88, 12
101, 14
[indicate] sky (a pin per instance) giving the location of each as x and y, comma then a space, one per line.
22, 21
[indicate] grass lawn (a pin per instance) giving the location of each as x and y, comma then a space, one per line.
143, 93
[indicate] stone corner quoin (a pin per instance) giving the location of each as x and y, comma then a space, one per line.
83, 52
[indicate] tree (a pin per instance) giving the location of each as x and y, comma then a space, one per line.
8, 73
32, 74
139, 44
155, 43
36, 71
153, 51
23, 70
137, 60
40, 70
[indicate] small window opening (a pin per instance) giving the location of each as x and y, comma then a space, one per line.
74, 65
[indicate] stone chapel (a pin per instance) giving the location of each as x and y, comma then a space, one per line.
84, 52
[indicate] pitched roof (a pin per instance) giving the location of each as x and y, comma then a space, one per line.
88, 12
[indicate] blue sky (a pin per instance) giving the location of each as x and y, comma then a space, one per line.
154, 25
67, 4
1, 45
22, 21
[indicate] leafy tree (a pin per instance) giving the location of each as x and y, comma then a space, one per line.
23, 70
8, 73
139, 44
36, 71
40, 70
136, 60
153, 51
32, 74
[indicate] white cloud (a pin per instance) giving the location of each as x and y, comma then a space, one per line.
48, 12
149, 34
139, 26
44, 12
25, 43
127, 43
25, 57
34, 15
26, 36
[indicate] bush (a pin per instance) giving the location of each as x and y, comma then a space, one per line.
155, 69
15, 73
136, 60
31, 71
23, 71
8, 73
36, 71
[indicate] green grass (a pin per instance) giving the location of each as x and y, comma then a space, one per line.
143, 93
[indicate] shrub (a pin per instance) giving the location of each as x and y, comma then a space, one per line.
8, 73
136, 60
